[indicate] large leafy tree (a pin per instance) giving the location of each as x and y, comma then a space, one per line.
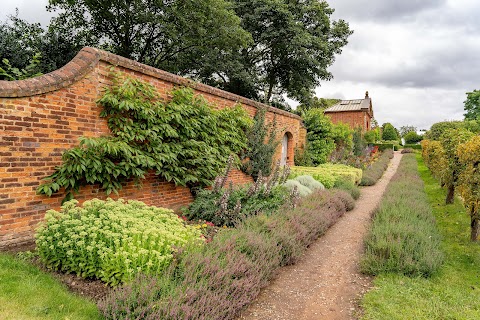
406, 129
412, 137
294, 42
439, 128
20, 41
389, 132
180, 36
315, 102
472, 105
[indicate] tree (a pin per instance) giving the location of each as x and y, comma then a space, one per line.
371, 136
439, 128
23, 44
10, 73
472, 105
434, 156
342, 136
412, 137
359, 142
320, 138
450, 141
184, 37
262, 143
294, 42
468, 154
315, 102
406, 129
389, 132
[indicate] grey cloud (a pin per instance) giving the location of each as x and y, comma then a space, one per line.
452, 63
439, 71
381, 10
31, 11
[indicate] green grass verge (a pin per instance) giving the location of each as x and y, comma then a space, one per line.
454, 291
28, 293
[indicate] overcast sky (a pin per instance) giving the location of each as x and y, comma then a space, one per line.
417, 58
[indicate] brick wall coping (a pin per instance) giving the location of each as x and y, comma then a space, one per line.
88, 58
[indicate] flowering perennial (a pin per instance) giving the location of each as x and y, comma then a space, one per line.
111, 240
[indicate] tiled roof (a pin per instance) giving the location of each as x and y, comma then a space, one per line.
351, 105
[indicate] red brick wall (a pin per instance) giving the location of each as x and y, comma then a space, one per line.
353, 118
43, 116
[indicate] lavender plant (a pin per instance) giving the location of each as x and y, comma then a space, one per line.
216, 281
227, 206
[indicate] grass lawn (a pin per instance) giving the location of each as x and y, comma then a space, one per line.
454, 291
28, 293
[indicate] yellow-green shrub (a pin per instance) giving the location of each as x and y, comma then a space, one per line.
329, 173
434, 157
111, 240
326, 178
342, 170
469, 181
450, 141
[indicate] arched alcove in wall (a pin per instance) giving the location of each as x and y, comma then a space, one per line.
287, 149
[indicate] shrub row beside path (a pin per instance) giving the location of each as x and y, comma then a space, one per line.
325, 282
451, 293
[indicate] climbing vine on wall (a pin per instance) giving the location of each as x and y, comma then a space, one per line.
185, 140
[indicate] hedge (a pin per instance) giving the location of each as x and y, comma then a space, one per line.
413, 146
403, 238
329, 173
384, 146
375, 171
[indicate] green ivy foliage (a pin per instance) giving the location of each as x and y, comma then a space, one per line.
185, 140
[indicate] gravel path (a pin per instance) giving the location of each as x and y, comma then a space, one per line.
325, 283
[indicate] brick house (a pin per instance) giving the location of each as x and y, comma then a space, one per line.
355, 113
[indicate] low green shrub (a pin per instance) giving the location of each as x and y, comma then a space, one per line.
238, 203
111, 240
218, 280
226, 206
407, 150
347, 185
413, 146
342, 171
384, 146
375, 171
328, 173
303, 191
325, 178
346, 199
403, 237
309, 182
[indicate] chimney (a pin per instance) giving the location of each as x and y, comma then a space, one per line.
366, 95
